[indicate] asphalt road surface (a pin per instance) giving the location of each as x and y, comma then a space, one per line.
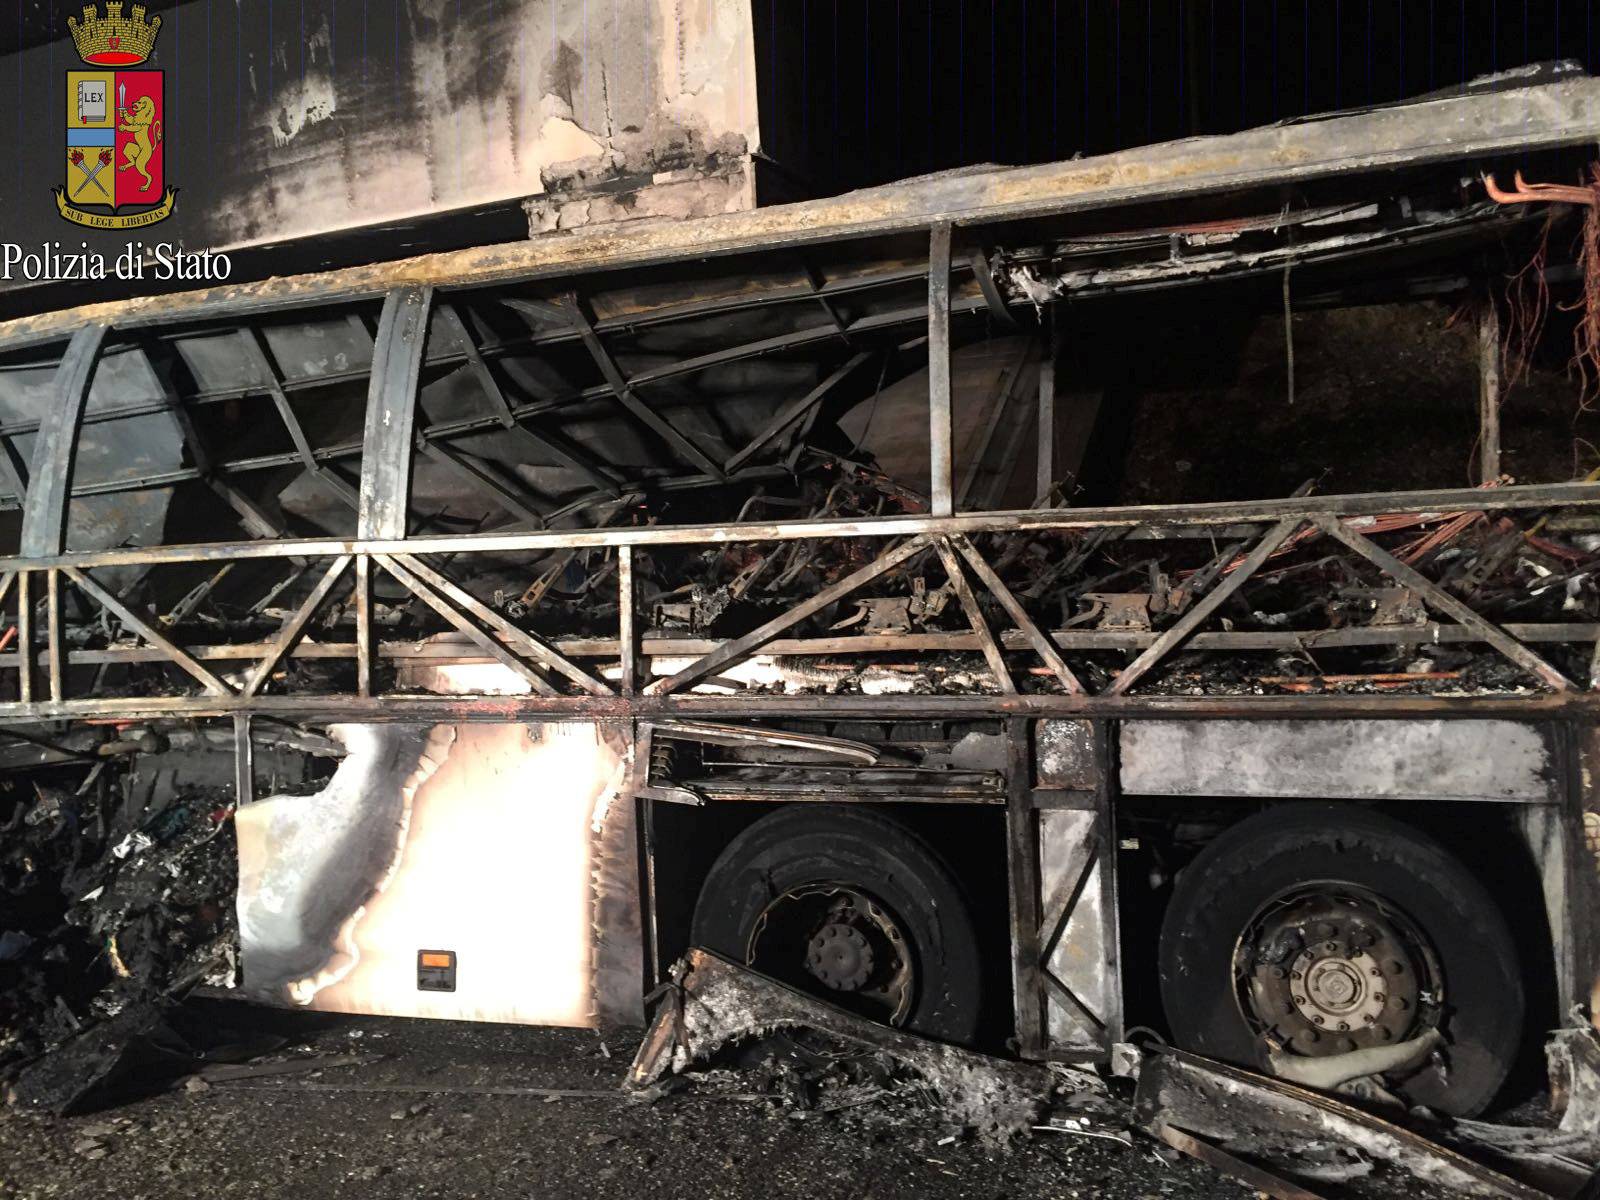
387, 1124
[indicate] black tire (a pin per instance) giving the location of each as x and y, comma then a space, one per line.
829, 844
1220, 894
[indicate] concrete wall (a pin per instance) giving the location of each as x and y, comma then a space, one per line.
293, 120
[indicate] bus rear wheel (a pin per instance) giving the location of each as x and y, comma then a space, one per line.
853, 907
1315, 930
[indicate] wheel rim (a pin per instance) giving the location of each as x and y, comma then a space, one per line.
1327, 968
840, 943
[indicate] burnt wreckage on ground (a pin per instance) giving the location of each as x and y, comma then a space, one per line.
675, 530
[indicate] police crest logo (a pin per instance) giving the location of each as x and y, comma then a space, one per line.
116, 145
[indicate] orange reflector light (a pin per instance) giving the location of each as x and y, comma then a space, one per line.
436, 970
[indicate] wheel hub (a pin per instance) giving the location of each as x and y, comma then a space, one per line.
840, 938
841, 957
1338, 992
1325, 970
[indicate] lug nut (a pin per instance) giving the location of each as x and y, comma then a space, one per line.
1299, 999
1330, 947
1375, 973
1343, 1026
1369, 1019
1294, 974
1318, 1020
1380, 997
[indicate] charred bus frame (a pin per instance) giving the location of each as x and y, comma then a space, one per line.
972, 232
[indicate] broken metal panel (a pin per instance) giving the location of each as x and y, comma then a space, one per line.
941, 501
1585, 850
1079, 951
1298, 1130
391, 414
714, 1003
1068, 755
44, 523
1354, 759
477, 839
307, 863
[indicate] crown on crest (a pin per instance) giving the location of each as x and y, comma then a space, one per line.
114, 40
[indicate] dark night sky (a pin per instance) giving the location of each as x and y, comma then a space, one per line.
869, 90
852, 92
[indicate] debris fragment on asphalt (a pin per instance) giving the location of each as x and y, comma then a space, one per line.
713, 1004
1296, 1132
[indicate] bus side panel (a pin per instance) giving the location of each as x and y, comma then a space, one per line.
445, 871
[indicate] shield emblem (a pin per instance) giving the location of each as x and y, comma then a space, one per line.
116, 156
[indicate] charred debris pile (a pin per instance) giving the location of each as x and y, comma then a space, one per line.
118, 870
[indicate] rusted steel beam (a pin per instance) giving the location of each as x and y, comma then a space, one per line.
741, 647
1491, 371
975, 617
1195, 516
565, 452
1035, 637
627, 635
818, 289
983, 270
746, 707
13, 470
1005, 394
1208, 604
622, 389
1517, 120
502, 409
392, 412
1436, 597
147, 631
1044, 480
941, 496
25, 636
54, 635
792, 412
449, 612
295, 625
363, 606
244, 761
195, 596
260, 354
1022, 875
44, 520
531, 645
456, 328
479, 475
441, 651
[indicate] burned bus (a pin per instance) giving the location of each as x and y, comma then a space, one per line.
1013, 605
